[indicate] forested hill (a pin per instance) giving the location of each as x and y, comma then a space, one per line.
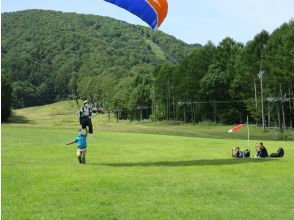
45, 51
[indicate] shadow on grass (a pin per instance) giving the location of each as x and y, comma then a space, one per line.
18, 119
212, 162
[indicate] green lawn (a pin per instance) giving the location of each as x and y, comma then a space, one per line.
140, 176
139, 170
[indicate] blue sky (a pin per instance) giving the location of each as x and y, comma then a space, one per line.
193, 21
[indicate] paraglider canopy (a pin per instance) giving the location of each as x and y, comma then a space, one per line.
153, 12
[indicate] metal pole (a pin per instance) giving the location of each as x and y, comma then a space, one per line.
214, 109
117, 116
248, 133
174, 108
283, 112
255, 93
154, 107
261, 73
280, 120
141, 114
290, 109
185, 116
262, 107
268, 115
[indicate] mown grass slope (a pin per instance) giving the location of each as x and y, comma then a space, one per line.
63, 114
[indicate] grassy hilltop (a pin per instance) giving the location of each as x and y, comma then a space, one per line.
138, 171
64, 114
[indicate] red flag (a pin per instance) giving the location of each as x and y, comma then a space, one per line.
238, 127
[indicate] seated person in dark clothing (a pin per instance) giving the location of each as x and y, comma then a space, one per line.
262, 151
280, 153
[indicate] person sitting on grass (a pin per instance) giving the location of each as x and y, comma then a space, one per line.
237, 153
257, 150
82, 145
261, 151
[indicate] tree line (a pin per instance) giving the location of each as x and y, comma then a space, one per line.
223, 83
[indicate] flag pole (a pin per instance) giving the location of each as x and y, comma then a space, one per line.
248, 133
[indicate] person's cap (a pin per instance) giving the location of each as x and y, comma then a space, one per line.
86, 101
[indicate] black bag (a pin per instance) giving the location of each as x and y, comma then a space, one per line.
247, 153
280, 153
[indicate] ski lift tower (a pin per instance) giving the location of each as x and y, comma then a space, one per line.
260, 75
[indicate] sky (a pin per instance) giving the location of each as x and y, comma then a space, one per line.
193, 21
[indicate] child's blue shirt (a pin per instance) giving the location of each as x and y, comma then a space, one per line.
81, 140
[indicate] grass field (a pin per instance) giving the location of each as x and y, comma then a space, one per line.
139, 171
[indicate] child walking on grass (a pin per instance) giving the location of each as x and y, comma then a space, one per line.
82, 145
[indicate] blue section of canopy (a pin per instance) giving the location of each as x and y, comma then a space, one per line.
140, 8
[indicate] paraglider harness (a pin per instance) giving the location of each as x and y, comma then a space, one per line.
85, 118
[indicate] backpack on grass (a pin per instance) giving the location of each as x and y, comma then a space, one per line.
280, 153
